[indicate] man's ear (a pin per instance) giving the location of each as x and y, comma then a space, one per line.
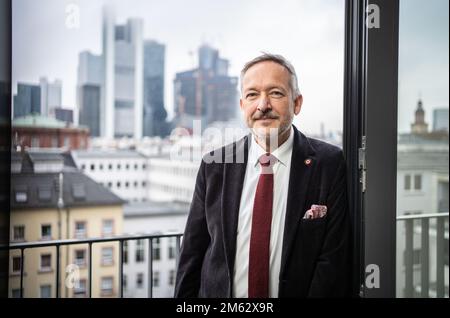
241, 104
298, 104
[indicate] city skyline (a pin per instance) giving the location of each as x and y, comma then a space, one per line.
319, 25
316, 68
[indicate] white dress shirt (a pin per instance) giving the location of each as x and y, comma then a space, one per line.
281, 170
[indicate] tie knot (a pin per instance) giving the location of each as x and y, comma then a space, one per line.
267, 161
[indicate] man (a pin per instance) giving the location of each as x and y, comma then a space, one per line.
276, 224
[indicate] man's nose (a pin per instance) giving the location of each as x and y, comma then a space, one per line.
263, 104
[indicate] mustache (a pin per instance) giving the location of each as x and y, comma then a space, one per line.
268, 115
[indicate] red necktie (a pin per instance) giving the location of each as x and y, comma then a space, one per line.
258, 267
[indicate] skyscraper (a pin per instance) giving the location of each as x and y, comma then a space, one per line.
123, 77
27, 100
89, 91
440, 119
154, 116
207, 92
50, 96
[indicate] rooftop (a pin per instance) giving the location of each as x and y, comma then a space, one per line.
153, 208
31, 189
38, 120
97, 153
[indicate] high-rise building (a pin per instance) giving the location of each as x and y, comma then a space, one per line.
155, 114
440, 119
27, 100
89, 96
50, 96
89, 91
123, 77
207, 93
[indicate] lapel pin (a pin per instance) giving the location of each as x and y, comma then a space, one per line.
307, 162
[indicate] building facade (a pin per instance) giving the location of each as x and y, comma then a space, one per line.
123, 77
50, 200
422, 189
152, 218
37, 131
124, 172
206, 93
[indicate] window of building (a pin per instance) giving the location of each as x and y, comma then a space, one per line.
19, 233
107, 256
16, 264
144, 184
83, 167
92, 167
172, 277
15, 293
21, 196
46, 262
46, 232
127, 184
118, 166
80, 258
140, 280
156, 251
80, 229
110, 167
34, 142
54, 142
144, 166
135, 166
110, 184
156, 279
135, 184
125, 252
417, 182
66, 142
44, 193
407, 182
172, 247
80, 288
46, 291
118, 184
127, 167
140, 245
107, 286
108, 227
100, 166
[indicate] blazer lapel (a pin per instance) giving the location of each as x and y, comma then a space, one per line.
298, 185
233, 180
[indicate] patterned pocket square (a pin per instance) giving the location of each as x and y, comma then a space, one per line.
316, 211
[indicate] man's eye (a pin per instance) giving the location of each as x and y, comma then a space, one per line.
250, 95
276, 93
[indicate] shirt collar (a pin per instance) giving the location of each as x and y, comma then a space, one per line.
282, 153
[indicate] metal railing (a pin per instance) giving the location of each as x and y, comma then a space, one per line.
420, 225
121, 239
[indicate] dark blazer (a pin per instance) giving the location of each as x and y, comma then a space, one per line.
316, 252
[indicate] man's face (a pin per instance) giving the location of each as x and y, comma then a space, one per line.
267, 102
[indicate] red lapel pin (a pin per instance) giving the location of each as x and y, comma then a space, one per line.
307, 162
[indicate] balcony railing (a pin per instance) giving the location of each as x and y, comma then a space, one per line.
120, 239
424, 226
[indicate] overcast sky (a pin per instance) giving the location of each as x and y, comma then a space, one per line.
310, 33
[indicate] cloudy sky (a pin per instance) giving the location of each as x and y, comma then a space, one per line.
310, 33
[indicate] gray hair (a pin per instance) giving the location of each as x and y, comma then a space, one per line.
293, 82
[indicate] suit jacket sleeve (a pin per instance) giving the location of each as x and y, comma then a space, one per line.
332, 275
195, 242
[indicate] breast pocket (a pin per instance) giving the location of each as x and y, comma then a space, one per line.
312, 233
